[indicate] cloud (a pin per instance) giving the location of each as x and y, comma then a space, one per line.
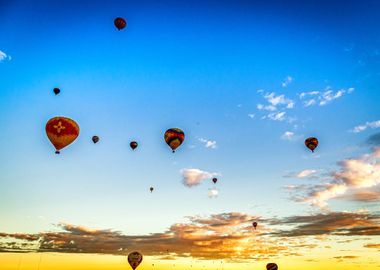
374, 139
213, 193
221, 236
372, 246
361, 128
290, 136
353, 175
363, 196
302, 174
193, 177
251, 115
286, 81
280, 116
322, 98
333, 223
208, 143
4, 56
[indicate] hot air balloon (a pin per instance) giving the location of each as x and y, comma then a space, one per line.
151, 189
254, 224
95, 139
272, 266
61, 131
134, 259
56, 91
133, 145
215, 180
120, 23
311, 143
174, 138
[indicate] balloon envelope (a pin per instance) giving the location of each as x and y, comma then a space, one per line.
56, 91
272, 266
120, 23
311, 143
61, 131
174, 137
215, 180
134, 259
133, 145
95, 139
254, 224
151, 189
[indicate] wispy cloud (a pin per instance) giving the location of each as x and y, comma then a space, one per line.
4, 56
275, 105
309, 173
193, 177
360, 128
354, 174
332, 223
290, 136
208, 143
279, 116
251, 115
286, 81
213, 193
322, 98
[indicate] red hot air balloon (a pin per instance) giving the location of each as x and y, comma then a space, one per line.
95, 139
120, 23
61, 131
254, 224
311, 143
272, 266
134, 259
174, 137
133, 145
56, 91
215, 180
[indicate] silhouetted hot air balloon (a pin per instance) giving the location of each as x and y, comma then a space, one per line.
61, 131
272, 266
311, 143
215, 180
56, 91
151, 189
174, 138
134, 259
120, 23
133, 145
254, 224
95, 139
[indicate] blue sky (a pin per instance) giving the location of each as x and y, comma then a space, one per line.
202, 67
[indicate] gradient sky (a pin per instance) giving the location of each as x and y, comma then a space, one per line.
247, 81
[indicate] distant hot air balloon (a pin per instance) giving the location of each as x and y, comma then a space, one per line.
215, 180
272, 266
311, 143
151, 189
61, 131
174, 138
134, 259
133, 145
95, 139
120, 23
56, 91
254, 224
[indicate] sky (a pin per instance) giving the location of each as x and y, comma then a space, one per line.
247, 82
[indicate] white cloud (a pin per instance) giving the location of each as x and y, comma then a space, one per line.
287, 136
287, 81
193, 177
208, 143
354, 174
251, 115
4, 56
322, 98
213, 193
280, 116
305, 173
360, 128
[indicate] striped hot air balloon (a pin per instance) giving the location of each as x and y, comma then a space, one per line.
311, 143
134, 259
174, 137
61, 132
272, 266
